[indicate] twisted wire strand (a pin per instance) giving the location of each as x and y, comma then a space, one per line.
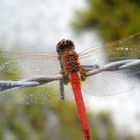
37, 81
30, 82
115, 66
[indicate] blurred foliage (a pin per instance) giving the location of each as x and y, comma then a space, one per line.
55, 122
8, 67
112, 19
127, 48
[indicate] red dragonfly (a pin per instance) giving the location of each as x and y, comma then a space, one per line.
90, 69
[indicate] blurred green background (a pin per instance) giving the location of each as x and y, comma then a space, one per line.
111, 19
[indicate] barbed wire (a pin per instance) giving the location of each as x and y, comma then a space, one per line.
115, 66
95, 69
30, 82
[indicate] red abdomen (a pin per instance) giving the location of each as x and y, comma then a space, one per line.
75, 82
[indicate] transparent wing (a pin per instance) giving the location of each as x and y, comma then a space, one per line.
29, 64
117, 50
28, 91
110, 83
44, 94
16, 66
68, 92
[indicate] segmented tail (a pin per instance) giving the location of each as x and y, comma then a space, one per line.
76, 86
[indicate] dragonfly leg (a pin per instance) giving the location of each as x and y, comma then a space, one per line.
62, 96
66, 80
83, 73
83, 76
87, 70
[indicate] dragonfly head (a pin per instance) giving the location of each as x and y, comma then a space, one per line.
64, 45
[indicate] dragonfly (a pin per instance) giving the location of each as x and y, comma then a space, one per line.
102, 70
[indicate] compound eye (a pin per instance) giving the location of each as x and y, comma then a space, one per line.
71, 44
58, 50
64, 44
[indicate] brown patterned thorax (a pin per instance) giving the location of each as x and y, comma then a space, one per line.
70, 61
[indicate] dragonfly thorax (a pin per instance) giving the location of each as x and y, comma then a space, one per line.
70, 62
